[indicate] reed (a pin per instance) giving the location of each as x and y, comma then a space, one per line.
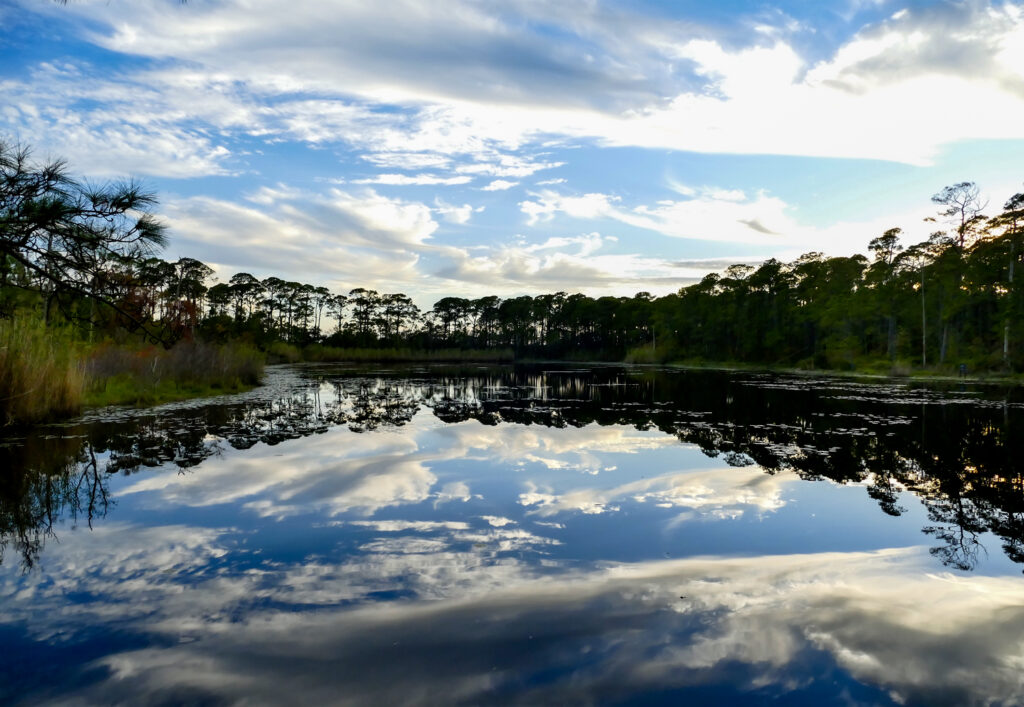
41, 377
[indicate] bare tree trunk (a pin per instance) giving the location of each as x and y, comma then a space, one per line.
924, 327
892, 337
1006, 320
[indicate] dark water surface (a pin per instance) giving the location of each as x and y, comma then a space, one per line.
545, 535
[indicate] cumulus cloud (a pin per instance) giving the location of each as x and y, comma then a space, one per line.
340, 237
345, 239
562, 263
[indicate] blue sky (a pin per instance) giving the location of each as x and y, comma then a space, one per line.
470, 148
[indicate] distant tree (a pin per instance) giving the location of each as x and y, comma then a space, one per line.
914, 260
962, 211
882, 275
336, 308
365, 306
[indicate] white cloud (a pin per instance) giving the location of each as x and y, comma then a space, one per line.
885, 93
761, 221
712, 214
109, 128
565, 263
456, 214
408, 160
340, 238
504, 165
499, 185
548, 203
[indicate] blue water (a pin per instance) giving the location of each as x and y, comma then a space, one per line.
594, 535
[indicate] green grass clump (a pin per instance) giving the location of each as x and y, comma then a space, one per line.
40, 375
127, 390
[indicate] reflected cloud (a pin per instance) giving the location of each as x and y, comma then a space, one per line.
369, 472
584, 449
315, 474
710, 493
479, 629
423, 538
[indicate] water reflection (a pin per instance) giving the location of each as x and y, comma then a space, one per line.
427, 536
828, 628
956, 451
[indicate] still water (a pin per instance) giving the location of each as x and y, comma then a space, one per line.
544, 535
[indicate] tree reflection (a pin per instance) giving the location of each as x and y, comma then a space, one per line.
47, 480
957, 455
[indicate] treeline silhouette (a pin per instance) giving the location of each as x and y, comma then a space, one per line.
89, 253
951, 299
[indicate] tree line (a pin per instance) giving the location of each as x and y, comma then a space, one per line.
89, 254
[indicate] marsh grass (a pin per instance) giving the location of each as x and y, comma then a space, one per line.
149, 375
41, 375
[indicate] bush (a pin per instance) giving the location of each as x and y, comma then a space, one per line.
40, 376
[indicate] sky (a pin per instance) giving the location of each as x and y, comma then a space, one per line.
467, 148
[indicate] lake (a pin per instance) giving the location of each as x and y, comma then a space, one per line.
530, 535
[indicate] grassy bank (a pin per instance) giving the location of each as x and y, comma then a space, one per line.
884, 370
150, 375
45, 374
860, 368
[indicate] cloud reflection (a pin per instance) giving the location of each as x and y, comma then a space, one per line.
338, 472
717, 493
485, 630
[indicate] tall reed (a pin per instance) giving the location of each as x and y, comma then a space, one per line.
40, 375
